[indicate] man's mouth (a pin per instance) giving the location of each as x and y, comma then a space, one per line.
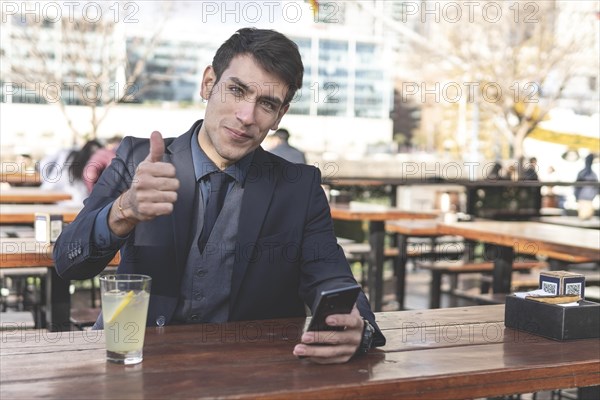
239, 134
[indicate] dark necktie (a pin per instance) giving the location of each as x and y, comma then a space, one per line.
218, 189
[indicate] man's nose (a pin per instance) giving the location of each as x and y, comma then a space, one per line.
245, 111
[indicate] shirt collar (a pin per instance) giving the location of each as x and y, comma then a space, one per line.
203, 165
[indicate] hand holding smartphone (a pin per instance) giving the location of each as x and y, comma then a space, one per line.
335, 301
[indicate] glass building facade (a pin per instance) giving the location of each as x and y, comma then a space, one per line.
346, 75
172, 70
343, 78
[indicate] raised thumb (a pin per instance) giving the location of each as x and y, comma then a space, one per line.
157, 147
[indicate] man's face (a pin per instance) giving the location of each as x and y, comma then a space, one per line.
242, 107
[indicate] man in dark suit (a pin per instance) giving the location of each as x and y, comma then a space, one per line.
272, 248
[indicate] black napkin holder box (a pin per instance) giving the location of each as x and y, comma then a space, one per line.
551, 320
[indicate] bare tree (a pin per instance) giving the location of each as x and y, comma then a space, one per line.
516, 58
493, 65
76, 61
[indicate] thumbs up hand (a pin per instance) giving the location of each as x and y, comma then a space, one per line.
152, 193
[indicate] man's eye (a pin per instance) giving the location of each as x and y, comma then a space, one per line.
267, 105
236, 90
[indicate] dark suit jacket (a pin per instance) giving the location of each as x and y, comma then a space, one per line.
286, 252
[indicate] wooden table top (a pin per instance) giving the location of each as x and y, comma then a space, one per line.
592, 223
28, 253
28, 195
375, 213
25, 213
422, 227
560, 242
448, 353
21, 177
25, 253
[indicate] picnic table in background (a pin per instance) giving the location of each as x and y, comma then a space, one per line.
562, 245
376, 215
25, 213
27, 253
21, 178
427, 228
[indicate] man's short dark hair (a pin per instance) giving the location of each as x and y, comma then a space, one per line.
274, 52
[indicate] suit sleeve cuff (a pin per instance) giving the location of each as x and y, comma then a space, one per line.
104, 238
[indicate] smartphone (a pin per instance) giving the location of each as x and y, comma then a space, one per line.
335, 301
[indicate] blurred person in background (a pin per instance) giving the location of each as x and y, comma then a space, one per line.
280, 147
554, 196
65, 172
512, 173
99, 161
530, 172
585, 194
496, 173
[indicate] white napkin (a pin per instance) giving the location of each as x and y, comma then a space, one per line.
541, 293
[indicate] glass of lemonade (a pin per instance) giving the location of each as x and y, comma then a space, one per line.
125, 299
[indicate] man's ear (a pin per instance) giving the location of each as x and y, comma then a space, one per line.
208, 82
280, 115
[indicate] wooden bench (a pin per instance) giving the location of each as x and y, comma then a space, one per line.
482, 299
527, 281
520, 281
354, 250
438, 270
441, 251
592, 293
359, 252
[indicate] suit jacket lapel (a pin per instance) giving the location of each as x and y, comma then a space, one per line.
180, 155
258, 190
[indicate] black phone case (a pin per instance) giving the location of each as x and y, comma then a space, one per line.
336, 301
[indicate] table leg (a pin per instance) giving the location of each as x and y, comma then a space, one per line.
58, 302
469, 255
503, 269
394, 196
435, 291
400, 266
40, 307
376, 240
93, 294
